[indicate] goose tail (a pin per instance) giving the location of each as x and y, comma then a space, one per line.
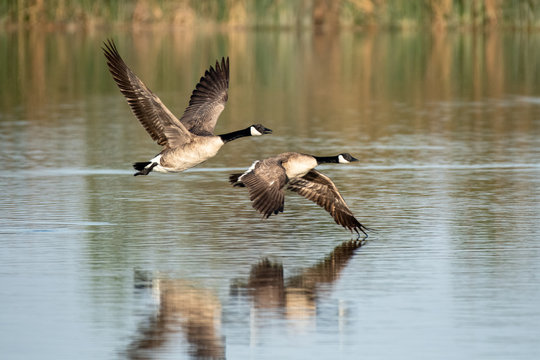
139, 166
144, 167
233, 179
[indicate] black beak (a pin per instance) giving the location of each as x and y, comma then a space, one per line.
353, 159
266, 131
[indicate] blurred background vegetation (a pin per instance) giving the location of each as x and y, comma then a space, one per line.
321, 14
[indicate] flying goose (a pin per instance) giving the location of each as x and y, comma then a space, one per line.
266, 179
186, 142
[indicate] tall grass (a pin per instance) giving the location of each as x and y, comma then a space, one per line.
273, 13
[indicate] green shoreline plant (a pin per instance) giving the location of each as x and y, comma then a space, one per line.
400, 14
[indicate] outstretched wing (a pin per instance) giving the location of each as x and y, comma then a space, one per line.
208, 100
322, 191
158, 121
265, 181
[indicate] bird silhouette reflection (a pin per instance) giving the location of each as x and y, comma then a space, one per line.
297, 294
183, 308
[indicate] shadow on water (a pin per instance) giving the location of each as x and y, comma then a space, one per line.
184, 307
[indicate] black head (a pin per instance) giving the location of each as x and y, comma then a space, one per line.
258, 130
346, 158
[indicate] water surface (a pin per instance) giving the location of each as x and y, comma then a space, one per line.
98, 264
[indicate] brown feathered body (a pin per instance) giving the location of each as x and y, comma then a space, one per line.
267, 179
187, 141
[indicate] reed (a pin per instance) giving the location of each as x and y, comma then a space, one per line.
402, 14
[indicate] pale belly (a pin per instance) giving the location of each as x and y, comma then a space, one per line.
299, 168
180, 159
179, 166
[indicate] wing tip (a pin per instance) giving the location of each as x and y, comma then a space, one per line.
109, 47
214, 82
218, 70
359, 228
225, 67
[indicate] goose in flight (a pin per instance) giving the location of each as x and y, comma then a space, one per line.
266, 180
186, 142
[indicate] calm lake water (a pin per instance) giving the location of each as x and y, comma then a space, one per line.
98, 264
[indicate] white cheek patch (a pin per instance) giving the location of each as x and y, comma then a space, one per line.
254, 132
342, 160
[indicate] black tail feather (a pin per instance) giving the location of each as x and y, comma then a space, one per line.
139, 166
233, 179
143, 168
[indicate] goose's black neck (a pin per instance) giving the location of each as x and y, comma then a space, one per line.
235, 135
326, 159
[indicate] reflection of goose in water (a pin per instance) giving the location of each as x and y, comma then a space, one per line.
187, 141
183, 308
297, 294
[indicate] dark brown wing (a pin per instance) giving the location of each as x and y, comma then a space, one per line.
322, 191
265, 181
157, 120
208, 100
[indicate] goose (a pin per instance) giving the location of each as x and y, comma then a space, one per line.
186, 142
267, 178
